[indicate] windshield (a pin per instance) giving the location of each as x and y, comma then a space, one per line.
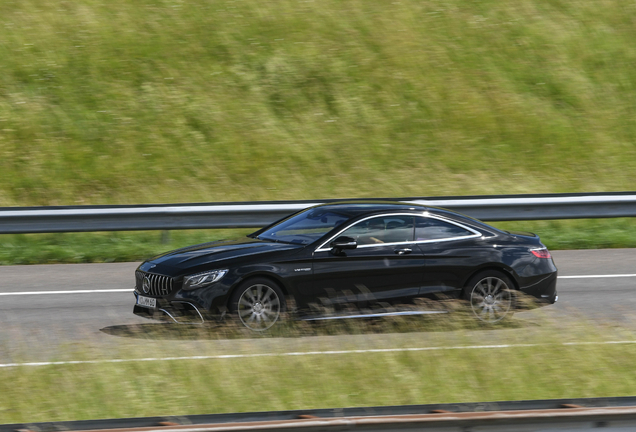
304, 228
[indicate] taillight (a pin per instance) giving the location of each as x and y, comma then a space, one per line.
541, 253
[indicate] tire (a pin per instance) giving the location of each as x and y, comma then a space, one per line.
258, 303
491, 296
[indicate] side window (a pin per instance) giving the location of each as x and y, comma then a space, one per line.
383, 229
435, 229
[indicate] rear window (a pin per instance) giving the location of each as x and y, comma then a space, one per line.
435, 229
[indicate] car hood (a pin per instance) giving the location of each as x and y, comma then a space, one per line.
193, 256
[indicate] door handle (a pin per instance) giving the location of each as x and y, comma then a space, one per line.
404, 251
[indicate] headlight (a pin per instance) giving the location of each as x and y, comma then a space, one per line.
202, 279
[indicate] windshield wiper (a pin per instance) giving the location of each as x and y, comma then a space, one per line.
271, 239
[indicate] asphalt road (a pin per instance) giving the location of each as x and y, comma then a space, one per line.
45, 307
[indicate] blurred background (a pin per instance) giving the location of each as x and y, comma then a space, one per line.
159, 101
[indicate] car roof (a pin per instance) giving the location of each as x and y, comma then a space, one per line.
352, 209
356, 208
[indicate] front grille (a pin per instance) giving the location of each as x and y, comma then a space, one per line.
155, 285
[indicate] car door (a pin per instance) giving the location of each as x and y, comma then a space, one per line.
386, 263
449, 252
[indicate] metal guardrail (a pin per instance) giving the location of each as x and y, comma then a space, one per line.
14, 220
540, 415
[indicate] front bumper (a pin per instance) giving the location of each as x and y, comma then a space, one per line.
180, 312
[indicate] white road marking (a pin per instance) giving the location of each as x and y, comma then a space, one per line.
308, 353
67, 292
597, 276
132, 289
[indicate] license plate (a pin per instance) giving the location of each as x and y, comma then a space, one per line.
147, 302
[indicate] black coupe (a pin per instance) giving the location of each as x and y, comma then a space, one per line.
350, 253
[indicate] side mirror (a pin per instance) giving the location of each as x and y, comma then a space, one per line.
341, 243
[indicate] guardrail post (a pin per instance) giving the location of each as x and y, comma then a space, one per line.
165, 237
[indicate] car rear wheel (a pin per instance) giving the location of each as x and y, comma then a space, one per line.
258, 303
490, 295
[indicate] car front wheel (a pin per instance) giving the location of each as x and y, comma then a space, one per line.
491, 296
258, 303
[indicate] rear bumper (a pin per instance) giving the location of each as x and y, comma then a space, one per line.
543, 291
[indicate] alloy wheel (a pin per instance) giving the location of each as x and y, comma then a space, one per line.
259, 307
491, 299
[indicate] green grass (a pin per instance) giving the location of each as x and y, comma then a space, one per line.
547, 370
152, 101
581, 233
137, 246
101, 247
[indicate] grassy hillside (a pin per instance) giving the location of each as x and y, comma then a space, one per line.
172, 101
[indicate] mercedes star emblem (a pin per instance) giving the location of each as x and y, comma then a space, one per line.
146, 285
